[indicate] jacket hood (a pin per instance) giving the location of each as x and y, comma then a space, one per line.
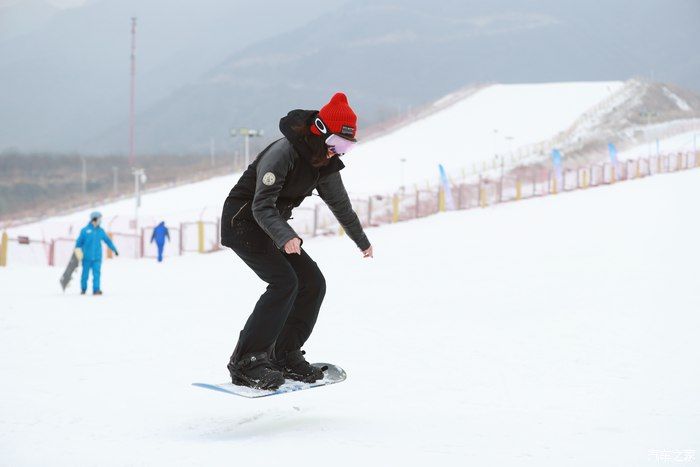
294, 125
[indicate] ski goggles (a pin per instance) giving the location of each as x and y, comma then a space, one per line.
339, 145
336, 143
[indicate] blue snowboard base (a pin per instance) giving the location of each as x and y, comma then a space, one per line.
333, 374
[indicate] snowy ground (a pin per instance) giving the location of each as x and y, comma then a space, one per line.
556, 331
684, 142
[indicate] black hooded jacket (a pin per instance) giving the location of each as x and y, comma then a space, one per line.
280, 178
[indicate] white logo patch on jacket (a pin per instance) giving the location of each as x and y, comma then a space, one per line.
268, 179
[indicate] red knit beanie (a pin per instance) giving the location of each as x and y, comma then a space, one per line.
338, 117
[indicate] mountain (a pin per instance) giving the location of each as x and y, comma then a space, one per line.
66, 77
388, 55
23, 16
392, 55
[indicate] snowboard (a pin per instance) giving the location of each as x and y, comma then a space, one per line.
333, 374
68, 273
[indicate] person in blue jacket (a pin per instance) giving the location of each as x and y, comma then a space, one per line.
160, 233
88, 249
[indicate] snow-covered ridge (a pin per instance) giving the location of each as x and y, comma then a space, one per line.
639, 113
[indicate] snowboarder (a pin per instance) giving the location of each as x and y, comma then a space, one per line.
88, 249
254, 225
160, 233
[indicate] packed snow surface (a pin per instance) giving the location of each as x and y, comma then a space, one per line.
557, 331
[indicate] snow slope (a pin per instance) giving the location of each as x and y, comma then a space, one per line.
684, 142
183, 203
555, 331
496, 120
456, 137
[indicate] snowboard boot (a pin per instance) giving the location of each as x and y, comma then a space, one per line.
82, 292
97, 292
255, 370
294, 366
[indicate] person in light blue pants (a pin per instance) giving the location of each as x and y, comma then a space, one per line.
88, 249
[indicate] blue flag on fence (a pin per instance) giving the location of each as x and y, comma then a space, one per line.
556, 162
449, 201
613, 153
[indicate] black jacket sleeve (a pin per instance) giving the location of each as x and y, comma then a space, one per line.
271, 172
331, 189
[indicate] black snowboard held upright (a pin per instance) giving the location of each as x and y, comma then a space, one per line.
68, 273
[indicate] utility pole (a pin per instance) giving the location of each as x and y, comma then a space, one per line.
495, 142
648, 114
132, 161
510, 148
247, 133
139, 179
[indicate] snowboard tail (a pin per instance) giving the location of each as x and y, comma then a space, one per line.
68, 273
333, 374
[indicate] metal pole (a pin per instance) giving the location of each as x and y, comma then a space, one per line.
369, 212
139, 177
500, 191
403, 165
247, 150
133, 92
495, 136
137, 201
313, 234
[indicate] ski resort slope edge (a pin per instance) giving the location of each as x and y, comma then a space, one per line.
498, 118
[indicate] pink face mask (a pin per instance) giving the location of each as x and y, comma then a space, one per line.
339, 145
335, 143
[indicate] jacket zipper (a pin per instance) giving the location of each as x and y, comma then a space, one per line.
238, 212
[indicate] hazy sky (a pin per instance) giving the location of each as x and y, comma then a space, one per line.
66, 3
57, 3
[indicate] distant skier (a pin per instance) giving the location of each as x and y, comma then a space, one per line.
254, 225
160, 233
88, 249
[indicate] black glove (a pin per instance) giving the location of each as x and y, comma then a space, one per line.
116, 253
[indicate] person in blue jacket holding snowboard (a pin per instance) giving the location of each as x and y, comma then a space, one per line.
160, 233
88, 249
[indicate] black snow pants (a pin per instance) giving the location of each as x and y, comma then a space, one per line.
285, 314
